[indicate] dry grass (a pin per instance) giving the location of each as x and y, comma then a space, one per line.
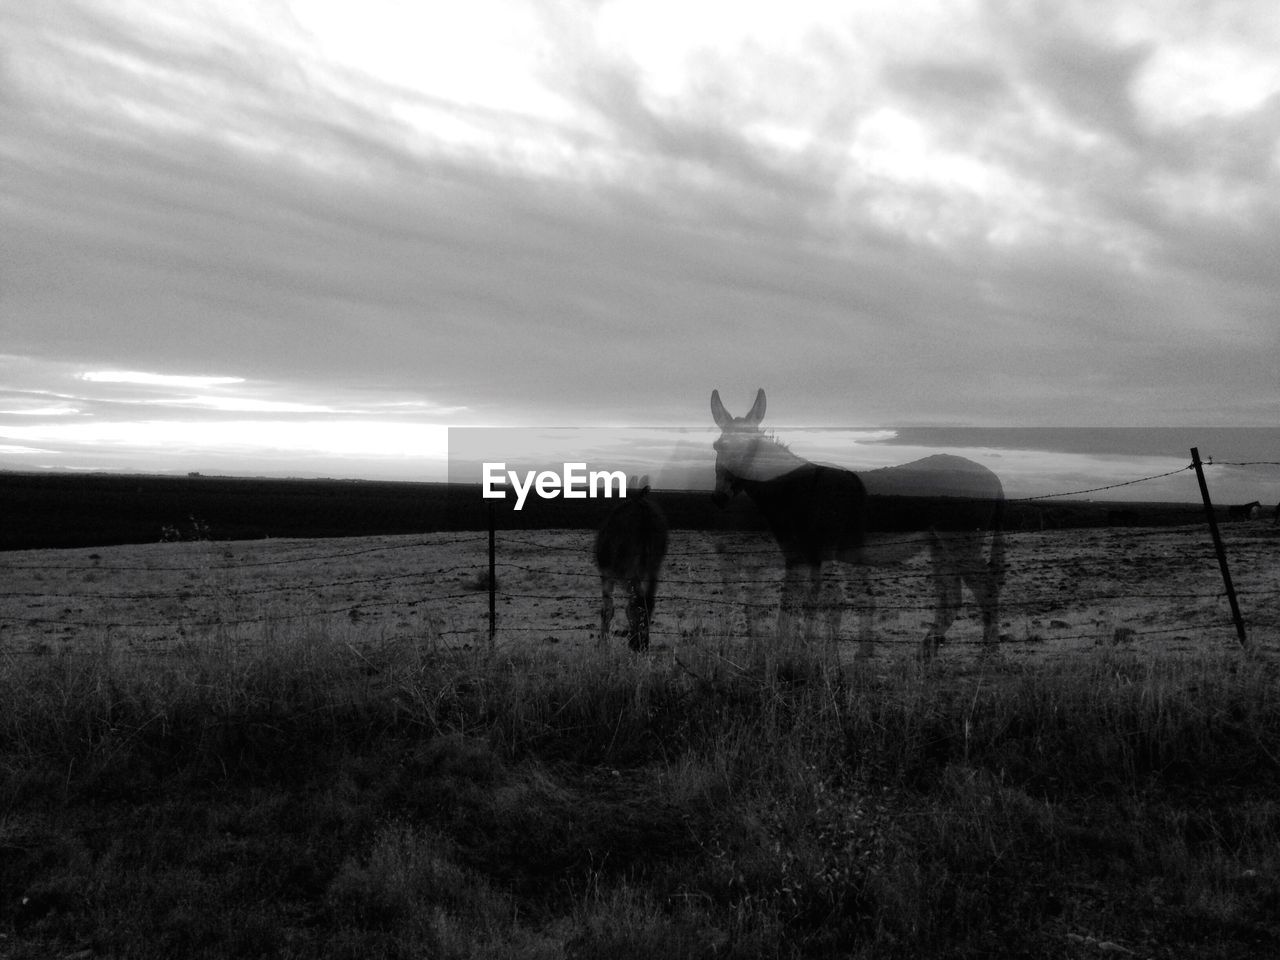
327, 792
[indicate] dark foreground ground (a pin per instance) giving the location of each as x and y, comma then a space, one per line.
322, 795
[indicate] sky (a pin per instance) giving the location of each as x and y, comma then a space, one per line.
306, 238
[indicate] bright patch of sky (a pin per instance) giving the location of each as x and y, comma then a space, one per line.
156, 379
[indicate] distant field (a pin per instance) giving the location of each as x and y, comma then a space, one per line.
1065, 590
85, 510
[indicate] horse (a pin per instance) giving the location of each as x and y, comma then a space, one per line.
630, 547
1244, 511
823, 516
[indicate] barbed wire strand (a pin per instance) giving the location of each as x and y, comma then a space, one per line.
1110, 486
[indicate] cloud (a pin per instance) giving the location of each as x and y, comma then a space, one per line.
1056, 214
156, 379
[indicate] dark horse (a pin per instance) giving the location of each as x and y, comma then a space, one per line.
820, 514
630, 547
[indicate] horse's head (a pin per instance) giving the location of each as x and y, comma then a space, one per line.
737, 445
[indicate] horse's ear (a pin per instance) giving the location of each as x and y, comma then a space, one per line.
756, 414
643, 483
721, 415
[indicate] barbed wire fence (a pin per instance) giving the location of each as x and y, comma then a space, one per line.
544, 588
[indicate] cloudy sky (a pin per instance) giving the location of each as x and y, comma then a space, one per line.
304, 237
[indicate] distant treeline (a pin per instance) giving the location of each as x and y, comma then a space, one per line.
84, 510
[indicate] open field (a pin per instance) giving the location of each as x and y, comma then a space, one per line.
1066, 590
307, 749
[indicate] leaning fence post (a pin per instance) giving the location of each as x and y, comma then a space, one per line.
1217, 546
493, 580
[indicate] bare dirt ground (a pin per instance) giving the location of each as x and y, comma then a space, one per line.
1156, 589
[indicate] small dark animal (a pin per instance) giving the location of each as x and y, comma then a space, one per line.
630, 547
1244, 511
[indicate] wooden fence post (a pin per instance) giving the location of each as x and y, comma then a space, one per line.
493, 579
1217, 546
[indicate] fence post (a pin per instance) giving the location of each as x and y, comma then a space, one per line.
493, 579
1217, 546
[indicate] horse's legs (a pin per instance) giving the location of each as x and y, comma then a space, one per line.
812, 587
792, 600
650, 598
866, 601
946, 588
831, 600
640, 612
606, 608
637, 627
985, 584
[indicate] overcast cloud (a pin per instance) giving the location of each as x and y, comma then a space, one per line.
333, 229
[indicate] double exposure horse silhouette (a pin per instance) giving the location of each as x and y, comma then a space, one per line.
630, 547
833, 525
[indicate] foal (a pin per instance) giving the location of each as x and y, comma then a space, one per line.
630, 547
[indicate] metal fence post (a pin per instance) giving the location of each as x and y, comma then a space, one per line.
1217, 546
